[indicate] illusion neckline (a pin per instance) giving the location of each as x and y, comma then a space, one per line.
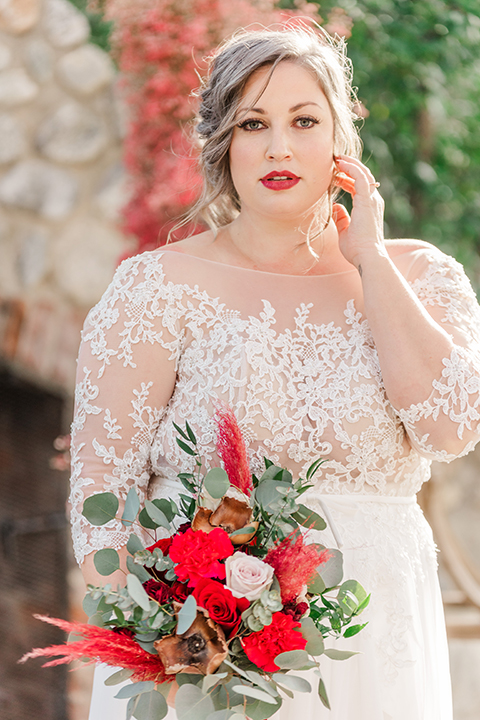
254, 270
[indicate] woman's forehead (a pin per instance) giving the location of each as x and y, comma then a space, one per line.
294, 79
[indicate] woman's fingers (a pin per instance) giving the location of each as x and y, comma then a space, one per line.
340, 216
364, 181
346, 183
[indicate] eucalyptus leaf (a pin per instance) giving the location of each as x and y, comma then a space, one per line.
209, 681
335, 654
331, 571
131, 508
134, 544
254, 693
315, 644
243, 531
322, 692
183, 678
216, 482
156, 514
134, 689
137, 570
316, 585
266, 493
308, 518
257, 679
166, 507
137, 592
292, 660
106, 561
99, 509
146, 521
225, 714
97, 619
131, 705
90, 605
118, 677
259, 710
151, 706
192, 704
293, 682
186, 615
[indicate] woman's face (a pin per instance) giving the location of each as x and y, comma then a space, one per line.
281, 154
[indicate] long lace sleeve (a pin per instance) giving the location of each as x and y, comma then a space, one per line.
446, 424
131, 342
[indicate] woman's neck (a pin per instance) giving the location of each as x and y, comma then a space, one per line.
280, 247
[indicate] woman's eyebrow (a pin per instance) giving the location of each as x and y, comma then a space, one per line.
293, 109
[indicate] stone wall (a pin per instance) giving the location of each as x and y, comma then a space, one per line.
61, 184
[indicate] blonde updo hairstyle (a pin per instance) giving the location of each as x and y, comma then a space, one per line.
231, 67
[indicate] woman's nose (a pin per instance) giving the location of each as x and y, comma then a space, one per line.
278, 147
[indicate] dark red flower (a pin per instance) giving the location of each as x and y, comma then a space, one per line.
198, 554
280, 636
220, 604
158, 591
295, 610
180, 591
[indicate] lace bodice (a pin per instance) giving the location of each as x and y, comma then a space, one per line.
292, 355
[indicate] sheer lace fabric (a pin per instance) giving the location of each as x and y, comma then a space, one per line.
295, 358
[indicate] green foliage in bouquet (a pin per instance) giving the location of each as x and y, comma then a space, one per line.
229, 601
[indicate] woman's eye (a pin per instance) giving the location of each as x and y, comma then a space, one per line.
306, 122
251, 125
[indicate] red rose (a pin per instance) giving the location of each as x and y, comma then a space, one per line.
198, 554
158, 591
163, 544
180, 591
280, 636
222, 607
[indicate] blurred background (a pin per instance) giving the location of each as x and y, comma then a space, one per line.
95, 164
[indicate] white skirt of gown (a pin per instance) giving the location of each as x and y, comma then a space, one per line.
402, 670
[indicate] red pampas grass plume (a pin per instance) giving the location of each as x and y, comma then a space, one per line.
294, 564
117, 649
231, 448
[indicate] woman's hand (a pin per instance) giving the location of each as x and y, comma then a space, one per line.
362, 233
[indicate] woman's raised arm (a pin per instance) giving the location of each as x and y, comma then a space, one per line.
426, 330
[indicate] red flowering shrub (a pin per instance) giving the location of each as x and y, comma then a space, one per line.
159, 45
222, 607
280, 636
198, 553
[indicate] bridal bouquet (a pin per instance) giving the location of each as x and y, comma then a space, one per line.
228, 602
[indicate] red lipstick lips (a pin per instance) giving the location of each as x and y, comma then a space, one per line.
278, 180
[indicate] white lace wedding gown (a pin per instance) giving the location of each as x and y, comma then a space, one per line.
295, 359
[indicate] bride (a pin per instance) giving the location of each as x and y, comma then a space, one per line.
325, 339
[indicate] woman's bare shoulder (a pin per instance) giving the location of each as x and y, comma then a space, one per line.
407, 245
200, 245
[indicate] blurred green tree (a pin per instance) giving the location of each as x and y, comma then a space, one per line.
100, 29
417, 69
